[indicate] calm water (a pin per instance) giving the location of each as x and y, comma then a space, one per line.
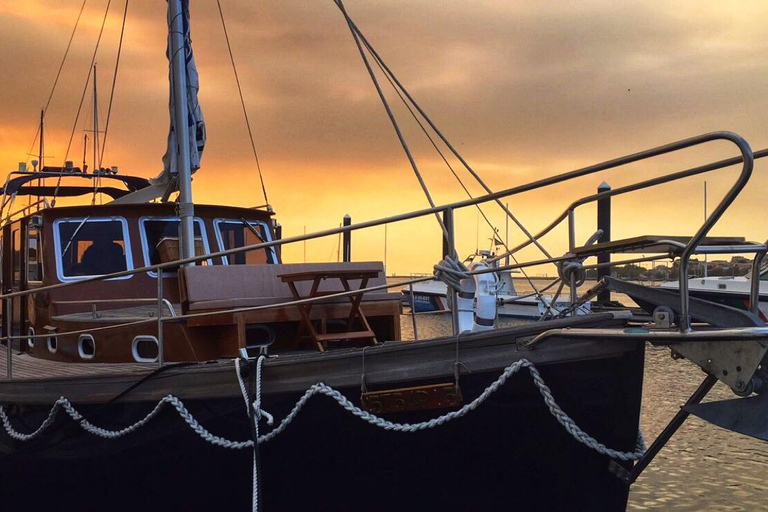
703, 467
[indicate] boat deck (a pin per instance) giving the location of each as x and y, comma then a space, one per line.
28, 368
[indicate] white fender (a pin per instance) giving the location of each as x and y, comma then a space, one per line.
465, 307
485, 299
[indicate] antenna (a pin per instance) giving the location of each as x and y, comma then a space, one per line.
85, 150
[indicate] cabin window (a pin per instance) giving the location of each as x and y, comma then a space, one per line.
34, 265
233, 233
16, 257
160, 240
91, 247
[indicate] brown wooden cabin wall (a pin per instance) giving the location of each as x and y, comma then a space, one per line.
209, 338
45, 305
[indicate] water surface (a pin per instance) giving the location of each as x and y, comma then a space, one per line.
703, 467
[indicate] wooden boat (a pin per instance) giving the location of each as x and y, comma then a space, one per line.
147, 346
116, 341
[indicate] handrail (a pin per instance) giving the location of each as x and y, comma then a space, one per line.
747, 158
295, 302
609, 164
632, 188
730, 196
655, 336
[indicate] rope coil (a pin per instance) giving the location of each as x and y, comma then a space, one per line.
451, 271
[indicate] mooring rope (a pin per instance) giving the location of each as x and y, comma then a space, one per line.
322, 389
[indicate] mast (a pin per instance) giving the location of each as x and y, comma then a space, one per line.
95, 121
180, 114
41, 155
42, 150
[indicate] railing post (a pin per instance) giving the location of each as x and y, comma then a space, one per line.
604, 223
413, 313
160, 344
347, 242
449, 249
8, 335
279, 236
754, 288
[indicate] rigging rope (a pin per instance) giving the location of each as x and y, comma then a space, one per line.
114, 81
392, 81
56, 81
82, 99
450, 146
391, 116
242, 102
461, 183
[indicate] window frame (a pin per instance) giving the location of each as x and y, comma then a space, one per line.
166, 218
57, 246
272, 255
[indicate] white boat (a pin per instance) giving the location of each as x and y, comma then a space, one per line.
728, 290
433, 297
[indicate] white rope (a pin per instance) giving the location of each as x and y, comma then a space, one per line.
322, 389
255, 479
257, 415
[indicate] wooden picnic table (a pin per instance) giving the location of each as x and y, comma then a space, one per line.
319, 339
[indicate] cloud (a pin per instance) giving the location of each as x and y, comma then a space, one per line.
522, 89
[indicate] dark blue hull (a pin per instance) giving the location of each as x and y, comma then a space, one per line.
510, 453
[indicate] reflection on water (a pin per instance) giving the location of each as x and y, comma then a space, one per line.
703, 467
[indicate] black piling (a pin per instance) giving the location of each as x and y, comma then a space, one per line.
347, 241
604, 223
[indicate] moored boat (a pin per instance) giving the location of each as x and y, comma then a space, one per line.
733, 291
163, 355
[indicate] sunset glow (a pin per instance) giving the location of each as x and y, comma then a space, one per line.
524, 90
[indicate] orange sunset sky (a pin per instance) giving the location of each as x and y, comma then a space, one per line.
523, 89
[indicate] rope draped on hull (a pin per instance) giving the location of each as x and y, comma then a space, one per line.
256, 414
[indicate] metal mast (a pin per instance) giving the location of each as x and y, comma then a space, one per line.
95, 122
42, 138
179, 83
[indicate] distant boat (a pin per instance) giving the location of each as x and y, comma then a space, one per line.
727, 290
432, 297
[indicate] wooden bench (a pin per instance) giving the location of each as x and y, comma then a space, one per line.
227, 287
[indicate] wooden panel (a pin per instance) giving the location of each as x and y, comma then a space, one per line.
291, 313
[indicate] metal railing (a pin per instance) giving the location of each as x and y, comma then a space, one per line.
746, 158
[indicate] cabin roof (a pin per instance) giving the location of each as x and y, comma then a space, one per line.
138, 209
20, 185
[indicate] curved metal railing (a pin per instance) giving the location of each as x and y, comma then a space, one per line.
746, 158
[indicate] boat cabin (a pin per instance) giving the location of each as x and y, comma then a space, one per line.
72, 244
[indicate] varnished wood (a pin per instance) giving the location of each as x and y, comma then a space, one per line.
355, 312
